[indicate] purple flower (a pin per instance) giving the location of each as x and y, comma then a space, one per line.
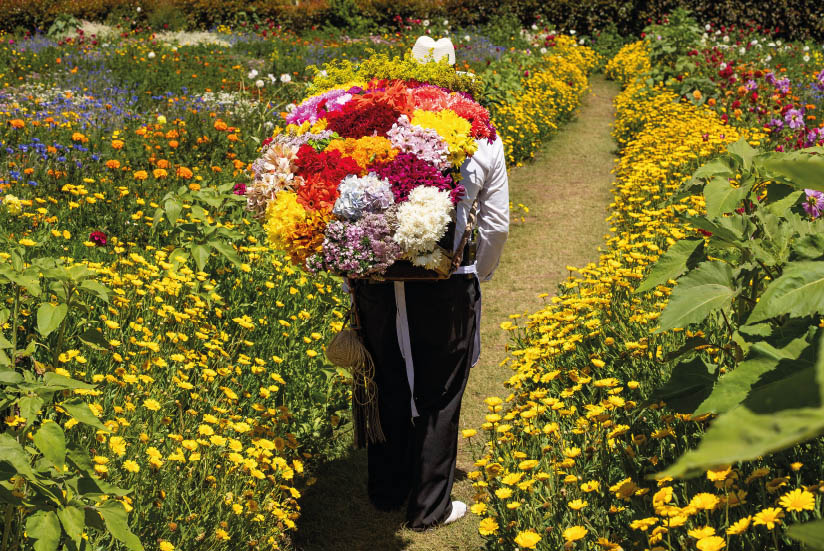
795, 118
778, 124
820, 80
751, 85
814, 203
316, 107
783, 85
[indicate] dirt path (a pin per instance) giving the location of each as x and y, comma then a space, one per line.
566, 190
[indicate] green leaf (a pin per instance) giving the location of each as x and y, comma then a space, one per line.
721, 197
802, 169
79, 458
51, 442
798, 292
781, 206
690, 382
671, 264
95, 338
4, 343
810, 246
80, 410
94, 286
12, 452
173, 208
44, 528
73, 520
61, 382
741, 435
702, 291
809, 533
50, 316
201, 255
10, 377
719, 166
743, 151
226, 250
30, 407
752, 374
117, 522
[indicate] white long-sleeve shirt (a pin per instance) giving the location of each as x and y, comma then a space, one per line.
484, 176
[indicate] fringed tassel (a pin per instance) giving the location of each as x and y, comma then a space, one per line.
346, 349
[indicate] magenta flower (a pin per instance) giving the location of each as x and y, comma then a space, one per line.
98, 238
814, 203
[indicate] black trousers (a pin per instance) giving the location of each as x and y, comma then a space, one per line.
417, 461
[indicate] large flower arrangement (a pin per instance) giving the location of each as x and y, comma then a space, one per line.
366, 172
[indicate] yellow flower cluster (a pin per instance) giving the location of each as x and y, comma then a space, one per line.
548, 98
366, 150
455, 131
571, 452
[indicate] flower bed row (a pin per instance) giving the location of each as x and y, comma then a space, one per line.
570, 453
203, 349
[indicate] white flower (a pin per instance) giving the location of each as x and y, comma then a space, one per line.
768, 58
726, 38
806, 48
322, 73
150, 55
467, 38
425, 22
572, 32
778, 43
543, 51
806, 58
268, 125
581, 42
291, 107
534, 27
285, 77
771, 44
259, 83
446, 22
252, 74
754, 42
707, 27
742, 50
422, 220
139, 9
722, 66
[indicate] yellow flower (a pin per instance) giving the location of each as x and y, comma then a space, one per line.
503, 493
26, 242
512, 478
488, 526
118, 445
740, 526
478, 508
468, 433
166, 546
574, 533
769, 517
222, 534
527, 539
131, 466
528, 464
702, 532
704, 501
151, 404
577, 504
798, 500
711, 543
590, 486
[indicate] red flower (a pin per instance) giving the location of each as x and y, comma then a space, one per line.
322, 172
98, 238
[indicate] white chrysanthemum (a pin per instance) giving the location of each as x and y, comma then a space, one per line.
422, 221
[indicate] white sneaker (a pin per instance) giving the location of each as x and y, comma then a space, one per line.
458, 511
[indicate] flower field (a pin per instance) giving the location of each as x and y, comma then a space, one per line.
584, 452
164, 378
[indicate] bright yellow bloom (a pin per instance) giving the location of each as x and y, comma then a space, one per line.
574, 533
118, 445
798, 500
527, 539
711, 543
769, 517
740, 526
488, 526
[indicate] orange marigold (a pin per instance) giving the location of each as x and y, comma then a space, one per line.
365, 151
184, 172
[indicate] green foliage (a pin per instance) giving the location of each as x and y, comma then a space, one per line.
668, 44
761, 273
63, 24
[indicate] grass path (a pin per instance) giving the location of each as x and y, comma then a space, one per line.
566, 190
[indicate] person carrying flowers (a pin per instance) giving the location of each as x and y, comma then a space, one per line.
391, 175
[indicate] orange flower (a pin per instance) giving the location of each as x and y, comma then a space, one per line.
184, 172
173, 144
162, 163
141, 175
220, 125
117, 144
17, 123
113, 164
159, 173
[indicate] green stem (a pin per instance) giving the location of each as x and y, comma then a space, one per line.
7, 526
14, 329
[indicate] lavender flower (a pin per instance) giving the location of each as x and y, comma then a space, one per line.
794, 118
751, 85
783, 85
814, 203
316, 106
357, 249
425, 143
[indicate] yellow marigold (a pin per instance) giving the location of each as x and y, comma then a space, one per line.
798, 500
740, 526
527, 539
488, 526
574, 533
704, 501
769, 517
702, 532
711, 543
140, 175
577, 504
283, 214
118, 445
166, 546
